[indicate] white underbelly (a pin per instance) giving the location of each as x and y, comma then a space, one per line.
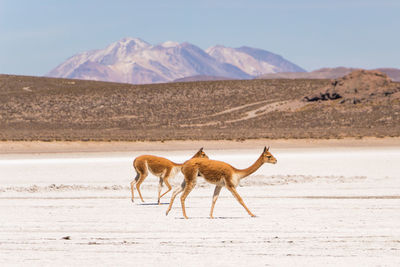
235, 180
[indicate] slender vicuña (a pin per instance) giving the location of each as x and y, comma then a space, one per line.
219, 173
160, 167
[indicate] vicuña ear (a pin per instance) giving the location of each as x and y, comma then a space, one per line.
265, 149
268, 148
201, 149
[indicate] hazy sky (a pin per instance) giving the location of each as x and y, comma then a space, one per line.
36, 36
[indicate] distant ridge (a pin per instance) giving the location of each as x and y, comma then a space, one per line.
327, 73
198, 78
132, 60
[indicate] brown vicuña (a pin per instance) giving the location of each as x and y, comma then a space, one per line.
158, 166
218, 173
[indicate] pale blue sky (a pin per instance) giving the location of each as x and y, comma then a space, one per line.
36, 36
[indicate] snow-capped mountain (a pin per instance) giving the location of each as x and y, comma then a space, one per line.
252, 60
132, 60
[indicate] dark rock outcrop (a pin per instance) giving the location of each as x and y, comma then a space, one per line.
356, 87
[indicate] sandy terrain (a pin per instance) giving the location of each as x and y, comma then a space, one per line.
9, 147
324, 203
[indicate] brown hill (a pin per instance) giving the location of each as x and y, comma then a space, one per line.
36, 108
358, 86
327, 73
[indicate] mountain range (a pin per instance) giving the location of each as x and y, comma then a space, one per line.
132, 60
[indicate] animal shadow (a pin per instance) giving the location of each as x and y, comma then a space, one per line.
153, 204
215, 218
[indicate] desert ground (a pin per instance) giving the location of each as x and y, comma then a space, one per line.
326, 202
361, 104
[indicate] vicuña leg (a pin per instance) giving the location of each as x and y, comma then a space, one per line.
189, 187
133, 184
174, 194
143, 175
160, 184
168, 185
165, 179
237, 196
217, 190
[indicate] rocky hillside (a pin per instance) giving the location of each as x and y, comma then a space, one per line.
33, 108
359, 86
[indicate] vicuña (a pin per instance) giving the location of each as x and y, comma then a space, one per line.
160, 167
218, 173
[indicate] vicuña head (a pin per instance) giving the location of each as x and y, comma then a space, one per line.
268, 157
200, 154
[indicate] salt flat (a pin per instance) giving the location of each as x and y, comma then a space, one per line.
326, 206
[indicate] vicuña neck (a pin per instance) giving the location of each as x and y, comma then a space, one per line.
255, 166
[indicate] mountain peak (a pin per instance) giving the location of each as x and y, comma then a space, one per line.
132, 42
131, 39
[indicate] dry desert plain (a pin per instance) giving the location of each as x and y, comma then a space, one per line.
326, 202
